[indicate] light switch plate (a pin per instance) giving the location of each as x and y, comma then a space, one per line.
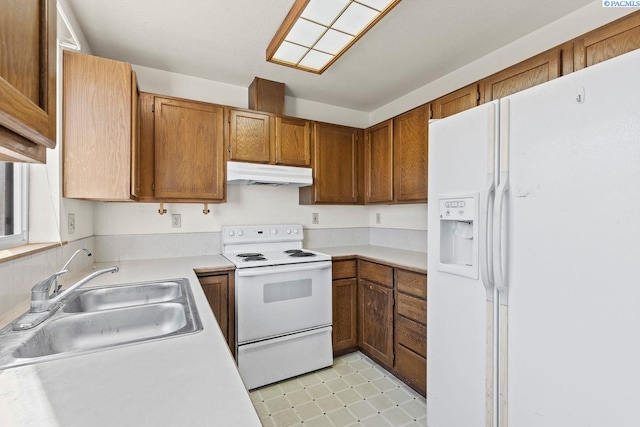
71, 223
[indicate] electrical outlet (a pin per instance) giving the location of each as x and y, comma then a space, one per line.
176, 221
71, 223
314, 218
378, 218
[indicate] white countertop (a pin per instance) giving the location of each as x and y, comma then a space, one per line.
189, 380
398, 257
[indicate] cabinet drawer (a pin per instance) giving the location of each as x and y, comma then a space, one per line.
412, 307
376, 273
411, 283
412, 335
343, 269
412, 368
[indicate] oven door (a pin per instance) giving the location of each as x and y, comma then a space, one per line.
279, 300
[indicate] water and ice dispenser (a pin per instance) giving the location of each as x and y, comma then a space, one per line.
459, 235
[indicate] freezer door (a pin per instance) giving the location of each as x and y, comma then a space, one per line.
573, 245
459, 320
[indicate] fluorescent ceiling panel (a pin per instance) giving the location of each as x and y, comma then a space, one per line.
355, 19
290, 52
305, 33
316, 32
333, 42
324, 11
315, 60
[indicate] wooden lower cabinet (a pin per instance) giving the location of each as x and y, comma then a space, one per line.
345, 306
410, 328
345, 336
375, 335
219, 290
391, 317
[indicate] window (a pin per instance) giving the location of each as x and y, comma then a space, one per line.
13, 204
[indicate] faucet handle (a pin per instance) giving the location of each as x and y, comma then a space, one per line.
41, 289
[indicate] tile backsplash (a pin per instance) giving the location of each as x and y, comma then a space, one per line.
17, 277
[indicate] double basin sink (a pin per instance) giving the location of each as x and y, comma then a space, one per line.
103, 318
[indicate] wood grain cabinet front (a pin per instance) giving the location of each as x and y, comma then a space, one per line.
257, 137
189, 150
100, 154
337, 166
345, 306
410, 328
378, 163
219, 290
410, 155
27, 79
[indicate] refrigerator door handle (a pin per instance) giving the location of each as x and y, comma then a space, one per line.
499, 237
485, 243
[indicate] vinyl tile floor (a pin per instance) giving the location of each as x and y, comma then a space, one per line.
354, 391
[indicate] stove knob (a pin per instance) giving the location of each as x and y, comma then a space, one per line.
231, 233
240, 233
288, 231
274, 231
295, 231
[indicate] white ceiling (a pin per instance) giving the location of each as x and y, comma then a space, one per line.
225, 40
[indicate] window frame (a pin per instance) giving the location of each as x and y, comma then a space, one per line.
20, 235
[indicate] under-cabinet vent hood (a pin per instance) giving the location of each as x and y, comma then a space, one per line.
259, 174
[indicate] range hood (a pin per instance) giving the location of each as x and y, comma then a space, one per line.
259, 174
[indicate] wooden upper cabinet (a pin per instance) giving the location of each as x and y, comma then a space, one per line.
293, 141
146, 152
250, 139
336, 165
529, 73
27, 79
378, 163
410, 151
456, 102
189, 150
612, 40
100, 150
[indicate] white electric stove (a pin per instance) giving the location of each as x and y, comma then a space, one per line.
283, 302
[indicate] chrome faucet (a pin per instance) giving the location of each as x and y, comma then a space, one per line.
43, 305
42, 301
64, 269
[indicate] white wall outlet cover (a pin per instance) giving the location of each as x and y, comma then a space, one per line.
176, 221
71, 223
314, 218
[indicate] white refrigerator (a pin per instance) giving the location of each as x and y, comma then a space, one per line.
534, 256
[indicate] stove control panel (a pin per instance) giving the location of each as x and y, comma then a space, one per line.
261, 233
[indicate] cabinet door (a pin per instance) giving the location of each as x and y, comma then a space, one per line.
217, 290
335, 165
98, 128
27, 79
250, 139
612, 40
293, 141
456, 102
147, 154
344, 314
378, 163
376, 321
524, 75
410, 138
189, 150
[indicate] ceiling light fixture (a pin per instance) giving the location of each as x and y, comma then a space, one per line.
316, 32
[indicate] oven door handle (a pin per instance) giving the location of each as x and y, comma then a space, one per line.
263, 271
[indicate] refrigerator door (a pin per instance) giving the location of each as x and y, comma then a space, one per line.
573, 247
459, 310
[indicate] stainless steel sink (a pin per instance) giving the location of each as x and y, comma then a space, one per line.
104, 318
123, 296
